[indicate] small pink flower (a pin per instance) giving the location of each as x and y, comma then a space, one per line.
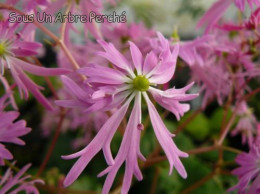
116, 88
206, 69
14, 184
10, 131
246, 125
249, 171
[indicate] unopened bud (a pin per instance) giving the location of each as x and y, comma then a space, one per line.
140, 126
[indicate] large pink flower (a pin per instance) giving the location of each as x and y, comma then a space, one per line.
117, 87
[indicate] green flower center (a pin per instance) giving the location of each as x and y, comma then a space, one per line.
2, 49
141, 83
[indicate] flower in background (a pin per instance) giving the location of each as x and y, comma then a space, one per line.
29, 5
116, 88
10, 131
12, 48
120, 33
86, 125
249, 171
14, 184
83, 7
246, 125
206, 68
8, 90
217, 10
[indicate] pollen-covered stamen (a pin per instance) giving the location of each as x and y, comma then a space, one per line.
141, 83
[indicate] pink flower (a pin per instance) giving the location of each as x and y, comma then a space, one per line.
251, 23
241, 4
10, 131
13, 184
29, 5
217, 10
254, 20
206, 68
84, 7
249, 171
120, 33
116, 88
11, 48
8, 90
247, 124
86, 125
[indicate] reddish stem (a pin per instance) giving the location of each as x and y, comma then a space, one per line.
53, 143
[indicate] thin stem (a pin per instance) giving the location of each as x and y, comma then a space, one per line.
230, 149
155, 180
151, 160
227, 128
63, 26
233, 117
53, 143
199, 183
246, 97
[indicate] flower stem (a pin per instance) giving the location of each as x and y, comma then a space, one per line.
199, 183
53, 143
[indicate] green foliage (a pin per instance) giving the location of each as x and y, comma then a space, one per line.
199, 127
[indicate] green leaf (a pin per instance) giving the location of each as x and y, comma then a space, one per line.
199, 127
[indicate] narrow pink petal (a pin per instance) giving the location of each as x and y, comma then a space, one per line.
211, 17
74, 88
35, 91
40, 71
107, 131
128, 151
170, 149
114, 56
137, 57
150, 62
101, 74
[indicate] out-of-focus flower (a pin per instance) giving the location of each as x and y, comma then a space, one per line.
10, 131
251, 23
14, 184
29, 5
246, 125
217, 10
249, 171
117, 87
11, 49
120, 33
83, 7
254, 21
86, 125
206, 68
8, 90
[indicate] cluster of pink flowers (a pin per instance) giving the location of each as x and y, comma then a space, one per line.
124, 67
